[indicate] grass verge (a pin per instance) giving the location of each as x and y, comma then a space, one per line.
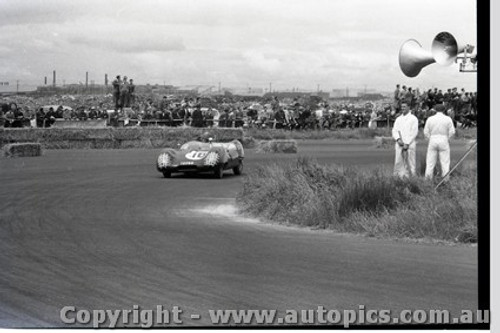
107, 138
368, 202
339, 134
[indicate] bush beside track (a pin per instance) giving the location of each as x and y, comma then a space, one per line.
28, 149
368, 202
277, 146
108, 138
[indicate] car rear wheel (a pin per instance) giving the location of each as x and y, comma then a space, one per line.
167, 174
219, 172
237, 170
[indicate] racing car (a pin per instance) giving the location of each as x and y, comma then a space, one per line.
202, 156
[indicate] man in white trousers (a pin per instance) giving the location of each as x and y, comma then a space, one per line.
438, 130
405, 133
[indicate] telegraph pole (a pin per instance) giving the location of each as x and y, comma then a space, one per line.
17, 86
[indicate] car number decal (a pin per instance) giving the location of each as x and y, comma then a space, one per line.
196, 155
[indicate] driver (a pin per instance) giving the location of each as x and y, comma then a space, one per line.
204, 137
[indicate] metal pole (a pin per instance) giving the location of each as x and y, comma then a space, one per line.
456, 165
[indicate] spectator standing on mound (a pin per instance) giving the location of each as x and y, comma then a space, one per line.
397, 98
131, 93
438, 130
40, 116
405, 133
124, 93
402, 96
116, 91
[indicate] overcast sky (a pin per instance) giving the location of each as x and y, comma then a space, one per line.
240, 43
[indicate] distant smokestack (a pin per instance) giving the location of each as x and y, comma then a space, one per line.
106, 80
86, 79
54, 78
45, 81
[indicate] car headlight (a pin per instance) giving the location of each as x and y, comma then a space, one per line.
164, 160
212, 159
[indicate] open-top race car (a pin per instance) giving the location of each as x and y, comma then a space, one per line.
199, 156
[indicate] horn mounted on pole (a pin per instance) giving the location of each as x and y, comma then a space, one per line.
412, 58
445, 50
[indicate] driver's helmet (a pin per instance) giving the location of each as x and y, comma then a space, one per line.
204, 137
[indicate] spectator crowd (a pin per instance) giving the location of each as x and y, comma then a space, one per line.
124, 108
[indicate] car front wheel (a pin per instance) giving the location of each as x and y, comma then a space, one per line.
167, 174
219, 172
237, 170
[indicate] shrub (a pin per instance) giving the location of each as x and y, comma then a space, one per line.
22, 150
277, 146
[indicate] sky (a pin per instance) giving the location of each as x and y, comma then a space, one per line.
305, 44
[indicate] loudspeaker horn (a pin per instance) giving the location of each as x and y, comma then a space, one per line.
445, 48
412, 58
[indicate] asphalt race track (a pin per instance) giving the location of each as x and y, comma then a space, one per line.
102, 229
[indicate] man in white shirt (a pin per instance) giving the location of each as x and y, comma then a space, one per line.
405, 133
438, 130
